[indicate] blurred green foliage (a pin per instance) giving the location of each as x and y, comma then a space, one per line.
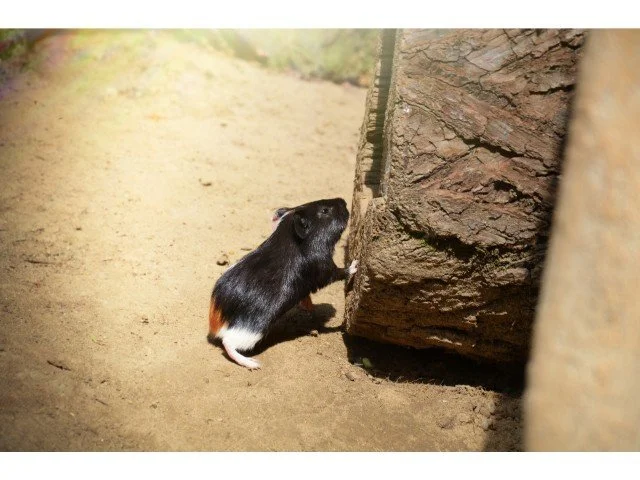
338, 55
12, 43
13, 52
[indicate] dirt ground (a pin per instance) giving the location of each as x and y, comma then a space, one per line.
130, 163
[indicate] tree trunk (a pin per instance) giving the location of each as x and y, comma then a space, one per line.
584, 375
455, 183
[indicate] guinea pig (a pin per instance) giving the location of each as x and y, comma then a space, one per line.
295, 261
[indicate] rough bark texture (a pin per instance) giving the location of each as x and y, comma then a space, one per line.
455, 183
584, 375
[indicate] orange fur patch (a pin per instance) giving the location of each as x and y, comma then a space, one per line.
215, 318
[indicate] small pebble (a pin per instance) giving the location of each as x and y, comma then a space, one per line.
484, 411
222, 260
464, 418
351, 376
313, 333
485, 424
445, 422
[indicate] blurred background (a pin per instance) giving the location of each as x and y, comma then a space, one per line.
337, 55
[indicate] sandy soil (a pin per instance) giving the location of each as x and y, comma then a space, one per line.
130, 163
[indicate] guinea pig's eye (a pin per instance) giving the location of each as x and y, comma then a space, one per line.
324, 211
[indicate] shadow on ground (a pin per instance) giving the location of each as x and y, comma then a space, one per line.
434, 366
500, 417
299, 323
294, 324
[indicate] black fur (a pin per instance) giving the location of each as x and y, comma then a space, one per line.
295, 261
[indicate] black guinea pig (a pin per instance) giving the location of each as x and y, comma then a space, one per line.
295, 261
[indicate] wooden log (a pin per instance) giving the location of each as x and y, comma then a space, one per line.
455, 183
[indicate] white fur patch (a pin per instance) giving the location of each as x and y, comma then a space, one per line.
238, 338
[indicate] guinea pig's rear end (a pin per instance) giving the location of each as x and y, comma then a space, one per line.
234, 336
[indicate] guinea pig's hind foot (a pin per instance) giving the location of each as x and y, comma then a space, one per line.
249, 363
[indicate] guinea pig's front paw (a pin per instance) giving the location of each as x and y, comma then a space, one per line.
353, 268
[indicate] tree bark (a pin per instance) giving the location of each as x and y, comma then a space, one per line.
455, 182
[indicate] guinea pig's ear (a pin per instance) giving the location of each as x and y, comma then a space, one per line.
301, 225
